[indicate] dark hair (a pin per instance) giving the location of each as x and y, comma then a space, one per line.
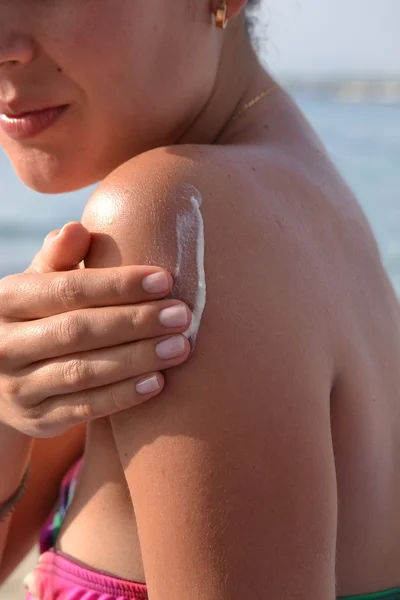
250, 15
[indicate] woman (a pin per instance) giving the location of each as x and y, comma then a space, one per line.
269, 466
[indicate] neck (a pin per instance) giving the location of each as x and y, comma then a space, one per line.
239, 76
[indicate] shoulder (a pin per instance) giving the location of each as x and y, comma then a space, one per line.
150, 181
260, 335
140, 201
258, 297
241, 197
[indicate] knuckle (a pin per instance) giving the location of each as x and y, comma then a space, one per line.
117, 402
117, 283
135, 318
38, 425
65, 414
70, 330
132, 356
76, 412
75, 372
5, 346
11, 389
10, 403
48, 420
35, 420
67, 292
33, 415
83, 412
7, 292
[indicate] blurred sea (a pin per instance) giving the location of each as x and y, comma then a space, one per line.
363, 139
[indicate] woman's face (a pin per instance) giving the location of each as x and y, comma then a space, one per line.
132, 73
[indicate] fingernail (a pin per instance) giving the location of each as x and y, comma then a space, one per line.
171, 348
148, 385
155, 283
174, 316
62, 230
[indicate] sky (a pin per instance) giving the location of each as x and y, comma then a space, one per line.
332, 37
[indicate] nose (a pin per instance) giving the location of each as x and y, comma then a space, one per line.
15, 48
16, 45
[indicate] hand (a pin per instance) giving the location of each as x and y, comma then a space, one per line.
83, 343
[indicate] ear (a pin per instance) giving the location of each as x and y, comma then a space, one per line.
234, 7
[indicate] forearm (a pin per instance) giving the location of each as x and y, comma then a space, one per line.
51, 459
15, 450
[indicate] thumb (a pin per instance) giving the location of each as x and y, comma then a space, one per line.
62, 250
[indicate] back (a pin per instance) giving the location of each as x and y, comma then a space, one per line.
341, 284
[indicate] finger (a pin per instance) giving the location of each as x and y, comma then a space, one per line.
97, 368
66, 411
92, 328
62, 250
31, 296
33, 267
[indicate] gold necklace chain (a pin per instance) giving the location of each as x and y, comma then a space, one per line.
252, 102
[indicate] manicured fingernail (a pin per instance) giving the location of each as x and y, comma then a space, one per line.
148, 385
171, 348
155, 283
174, 316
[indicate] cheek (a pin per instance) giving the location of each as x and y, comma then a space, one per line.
85, 38
119, 57
103, 45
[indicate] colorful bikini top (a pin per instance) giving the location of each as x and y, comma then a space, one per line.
52, 527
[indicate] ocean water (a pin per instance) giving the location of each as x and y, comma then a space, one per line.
363, 139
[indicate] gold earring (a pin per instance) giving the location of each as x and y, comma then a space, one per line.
221, 19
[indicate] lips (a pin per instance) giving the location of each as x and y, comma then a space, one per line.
29, 123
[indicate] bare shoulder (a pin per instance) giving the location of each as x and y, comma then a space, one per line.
263, 315
258, 251
218, 464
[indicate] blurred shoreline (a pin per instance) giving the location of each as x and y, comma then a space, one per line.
349, 90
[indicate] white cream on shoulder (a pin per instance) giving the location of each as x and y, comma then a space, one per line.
190, 251
178, 245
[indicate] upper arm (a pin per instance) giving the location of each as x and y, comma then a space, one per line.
231, 470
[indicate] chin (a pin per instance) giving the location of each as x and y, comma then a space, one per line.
58, 171
52, 185
53, 177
